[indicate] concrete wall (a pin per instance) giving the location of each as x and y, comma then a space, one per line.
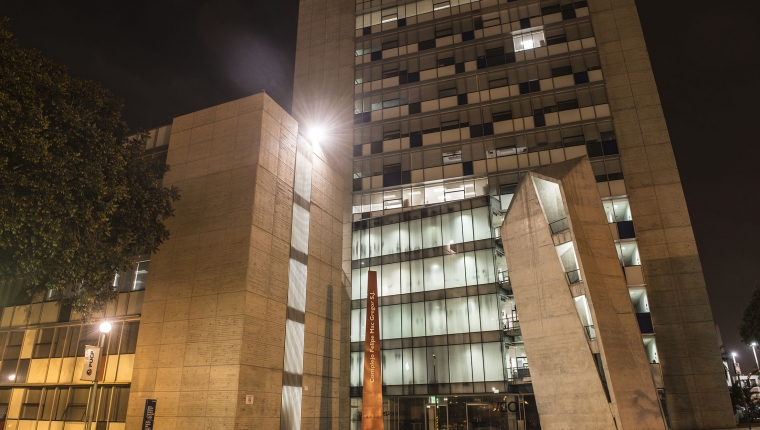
691, 365
213, 321
323, 96
569, 392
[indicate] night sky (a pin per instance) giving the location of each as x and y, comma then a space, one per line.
168, 58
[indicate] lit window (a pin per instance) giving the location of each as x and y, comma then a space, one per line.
530, 40
141, 274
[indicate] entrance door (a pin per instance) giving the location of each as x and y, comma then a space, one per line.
439, 422
479, 417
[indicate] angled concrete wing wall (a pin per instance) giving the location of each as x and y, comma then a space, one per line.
569, 387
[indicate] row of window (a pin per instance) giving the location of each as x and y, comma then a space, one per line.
428, 232
475, 362
406, 11
432, 318
431, 274
420, 196
66, 404
398, 103
528, 114
56, 342
594, 133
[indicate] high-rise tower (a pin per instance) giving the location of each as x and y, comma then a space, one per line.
444, 105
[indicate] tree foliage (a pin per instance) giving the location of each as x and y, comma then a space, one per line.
749, 330
76, 198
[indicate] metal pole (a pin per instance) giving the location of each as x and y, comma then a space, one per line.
435, 376
755, 354
94, 390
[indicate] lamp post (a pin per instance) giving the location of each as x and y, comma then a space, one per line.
105, 328
435, 377
753, 345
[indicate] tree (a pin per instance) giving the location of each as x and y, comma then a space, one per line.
749, 330
76, 198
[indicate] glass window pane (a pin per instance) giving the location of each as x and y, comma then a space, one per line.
438, 367
391, 282
129, 338
418, 319
406, 281
473, 310
420, 365
404, 237
416, 269
357, 328
355, 284
451, 224
460, 363
489, 312
390, 317
457, 316
356, 245
434, 279
484, 260
454, 270
415, 235
391, 240
482, 227
467, 235
471, 270
435, 317
375, 241
141, 274
392, 367
477, 362
119, 404
431, 231
357, 368
408, 369
493, 363
406, 320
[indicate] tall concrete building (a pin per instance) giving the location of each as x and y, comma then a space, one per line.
445, 106
504, 167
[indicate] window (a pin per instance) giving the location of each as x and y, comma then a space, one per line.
141, 274
31, 404
129, 337
44, 343
5, 399
529, 40
452, 157
13, 348
89, 336
72, 404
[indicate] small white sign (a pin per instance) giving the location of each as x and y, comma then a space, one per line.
90, 366
249, 399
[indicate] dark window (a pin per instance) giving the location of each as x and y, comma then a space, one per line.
376, 147
72, 407
568, 14
443, 62
610, 147
554, 40
5, 399
428, 44
119, 404
129, 337
415, 108
44, 343
562, 71
376, 56
502, 116
581, 78
47, 404
539, 120
13, 348
447, 92
534, 86
462, 99
594, 149
89, 336
31, 403
467, 168
626, 230
567, 105
450, 125
468, 35
357, 150
645, 322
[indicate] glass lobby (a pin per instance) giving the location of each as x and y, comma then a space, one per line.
449, 326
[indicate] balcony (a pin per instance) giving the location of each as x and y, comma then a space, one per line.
559, 225
573, 276
511, 325
590, 332
517, 375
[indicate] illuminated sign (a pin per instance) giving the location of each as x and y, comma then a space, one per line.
372, 394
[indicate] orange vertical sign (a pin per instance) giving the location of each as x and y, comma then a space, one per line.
372, 394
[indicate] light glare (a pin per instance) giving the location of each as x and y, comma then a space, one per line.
316, 133
105, 327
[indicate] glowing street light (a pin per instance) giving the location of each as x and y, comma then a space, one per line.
105, 328
316, 133
753, 345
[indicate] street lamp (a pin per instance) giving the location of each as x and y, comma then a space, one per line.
105, 328
753, 345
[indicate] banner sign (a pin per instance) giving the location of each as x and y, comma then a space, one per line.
372, 393
90, 366
150, 412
